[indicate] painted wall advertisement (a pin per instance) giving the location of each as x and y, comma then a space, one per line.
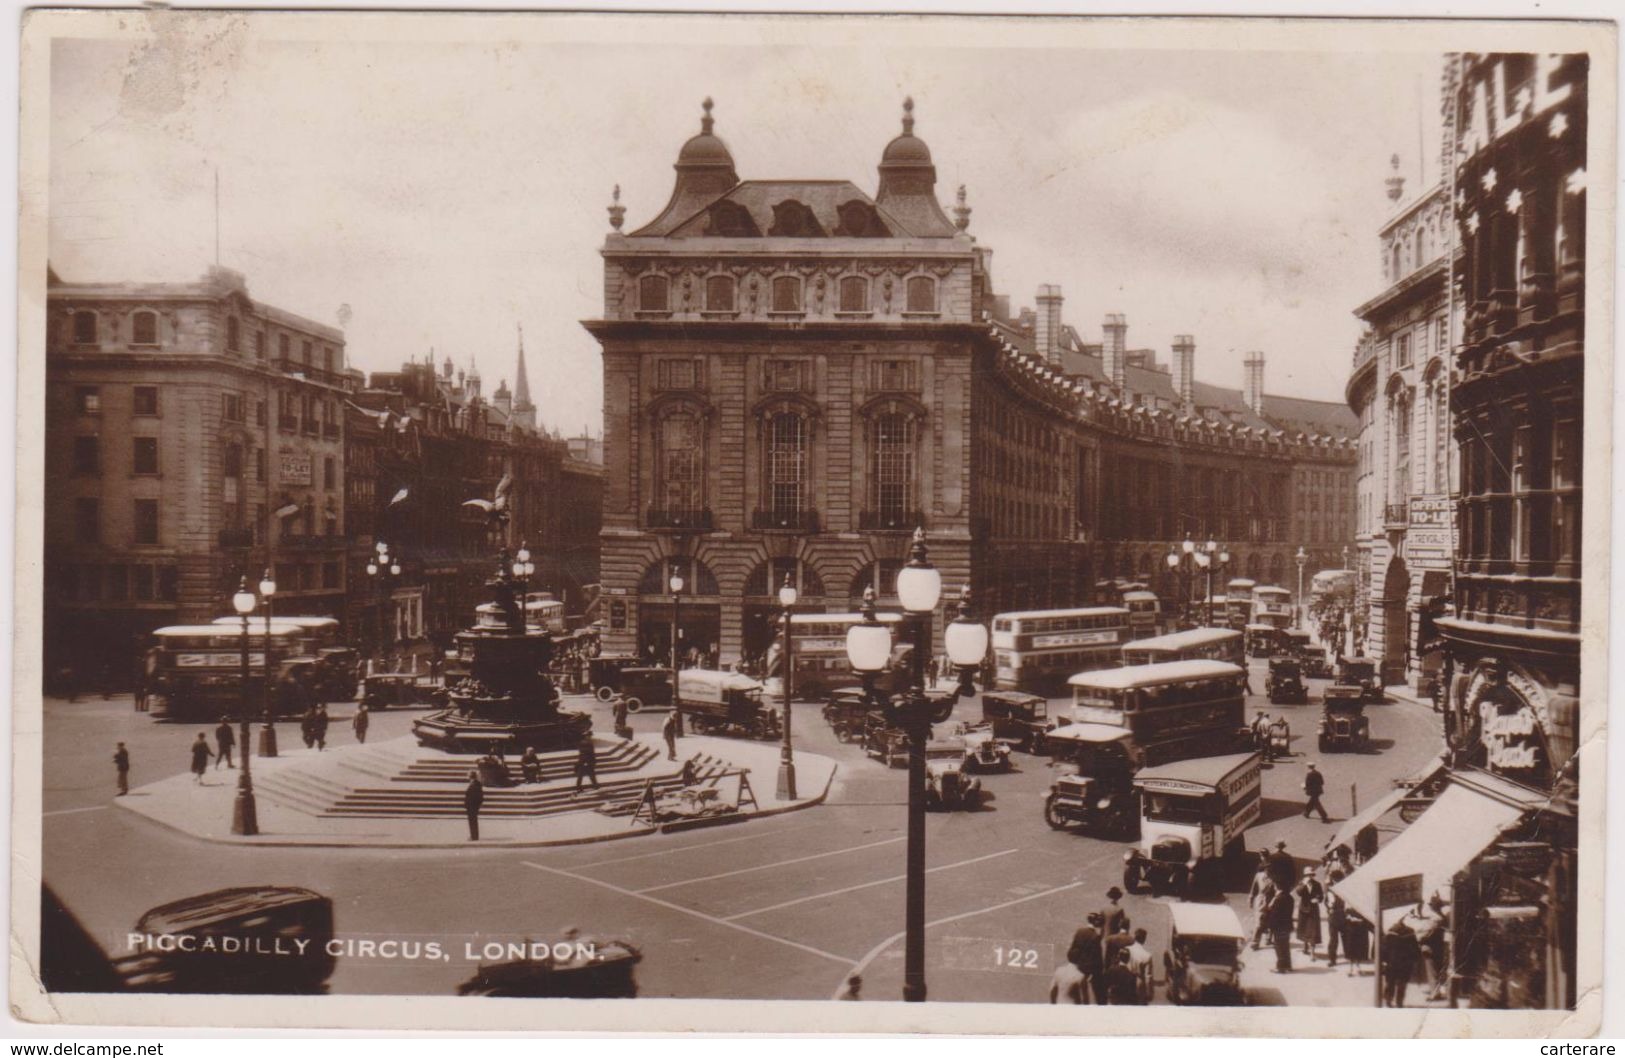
1430, 541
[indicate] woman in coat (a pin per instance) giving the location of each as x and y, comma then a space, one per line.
1310, 895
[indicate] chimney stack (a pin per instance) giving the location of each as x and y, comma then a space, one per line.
1047, 333
1114, 349
1184, 369
1254, 391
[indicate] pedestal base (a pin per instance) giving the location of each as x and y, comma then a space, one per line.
453, 732
268, 740
787, 781
244, 813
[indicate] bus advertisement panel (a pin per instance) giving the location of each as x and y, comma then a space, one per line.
1036, 650
1212, 644
1168, 711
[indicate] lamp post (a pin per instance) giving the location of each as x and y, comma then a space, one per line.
1302, 556
382, 567
787, 754
676, 586
268, 732
523, 569
1211, 558
244, 816
868, 649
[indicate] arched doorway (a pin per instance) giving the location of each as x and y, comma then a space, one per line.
1396, 632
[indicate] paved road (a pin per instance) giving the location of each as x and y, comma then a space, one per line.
781, 907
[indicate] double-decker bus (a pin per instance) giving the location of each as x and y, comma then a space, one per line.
1036, 650
543, 613
1196, 644
1330, 580
1238, 602
1152, 714
198, 669
818, 659
1271, 606
1144, 613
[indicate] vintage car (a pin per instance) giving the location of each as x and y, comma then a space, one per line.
1019, 719
574, 967
846, 712
604, 673
948, 783
1343, 723
1101, 803
725, 703
1285, 682
983, 751
883, 740
643, 686
1361, 672
380, 691
1262, 640
1203, 960
1292, 643
250, 940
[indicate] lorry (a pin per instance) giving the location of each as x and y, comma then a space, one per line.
1194, 816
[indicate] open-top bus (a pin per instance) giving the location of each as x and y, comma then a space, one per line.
1271, 606
198, 669
1196, 644
1036, 650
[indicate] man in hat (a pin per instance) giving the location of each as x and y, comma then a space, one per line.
1283, 869
1085, 955
1314, 784
473, 798
225, 739
1116, 918
121, 761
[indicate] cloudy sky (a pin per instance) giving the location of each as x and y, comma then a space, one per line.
447, 189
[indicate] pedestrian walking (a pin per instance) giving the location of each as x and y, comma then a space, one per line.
1400, 954
1310, 894
586, 762
1116, 918
1337, 917
1084, 953
224, 740
1139, 960
668, 731
473, 798
622, 728
320, 727
200, 758
1283, 868
1314, 784
1281, 930
1069, 984
360, 722
1122, 987
1258, 899
852, 990
307, 728
121, 761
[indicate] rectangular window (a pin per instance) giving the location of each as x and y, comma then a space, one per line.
88, 399
306, 353
787, 463
786, 294
330, 474
678, 374
922, 294
259, 464
719, 294
146, 400
144, 328
144, 455
784, 376
259, 345
87, 455
118, 583
330, 574
141, 583
1441, 334
283, 346
232, 407
327, 359
87, 520
854, 294
894, 375
1402, 351
84, 327
146, 521
259, 412
654, 294
891, 466
167, 583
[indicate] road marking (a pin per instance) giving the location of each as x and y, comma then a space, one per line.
771, 866
863, 963
757, 836
844, 960
71, 811
864, 885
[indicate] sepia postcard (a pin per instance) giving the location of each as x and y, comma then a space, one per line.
812, 523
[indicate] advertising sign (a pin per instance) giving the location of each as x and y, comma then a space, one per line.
1403, 891
295, 469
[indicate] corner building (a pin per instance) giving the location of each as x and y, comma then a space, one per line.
796, 375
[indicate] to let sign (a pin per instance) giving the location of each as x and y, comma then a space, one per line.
295, 469
1431, 511
1403, 891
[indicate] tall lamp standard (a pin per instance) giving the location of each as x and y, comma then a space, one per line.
244, 815
268, 732
868, 649
676, 586
1302, 556
787, 753
381, 568
523, 570
1211, 558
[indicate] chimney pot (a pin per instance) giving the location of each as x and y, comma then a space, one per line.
1114, 350
1047, 333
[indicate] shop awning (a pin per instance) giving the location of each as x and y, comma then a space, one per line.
1380, 807
1458, 826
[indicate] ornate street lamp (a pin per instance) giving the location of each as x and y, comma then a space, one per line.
268, 732
382, 568
1302, 556
868, 649
676, 586
787, 756
244, 815
1182, 584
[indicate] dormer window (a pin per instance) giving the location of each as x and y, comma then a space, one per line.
854, 294
922, 294
719, 294
786, 294
654, 294
860, 221
144, 328
732, 219
794, 219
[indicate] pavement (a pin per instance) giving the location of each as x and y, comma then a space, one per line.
779, 907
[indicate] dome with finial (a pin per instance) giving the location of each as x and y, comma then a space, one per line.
907, 149
706, 149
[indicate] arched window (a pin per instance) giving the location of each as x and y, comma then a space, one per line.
1394, 273
680, 462
786, 294
891, 467
719, 294
922, 294
144, 328
84, 327
1400, 409
768, 577
697, 577
786, 463
654, 294
854, 294
234, 335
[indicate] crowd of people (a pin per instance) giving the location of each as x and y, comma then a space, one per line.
1108, 962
